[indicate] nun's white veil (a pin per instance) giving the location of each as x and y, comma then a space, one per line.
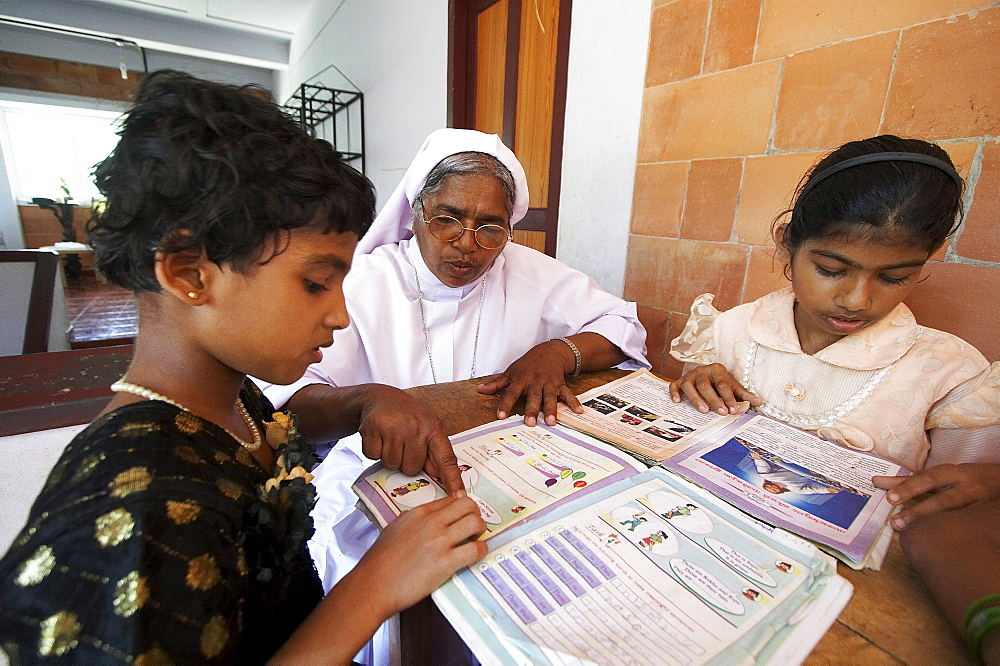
395, 221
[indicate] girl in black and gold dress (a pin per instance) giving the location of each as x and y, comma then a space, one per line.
173, 529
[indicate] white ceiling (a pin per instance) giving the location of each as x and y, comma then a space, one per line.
254, 33
270, 15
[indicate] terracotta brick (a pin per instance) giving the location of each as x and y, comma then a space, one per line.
727, 114
656, 322
57, 84
980, 236
105, 91
960, 299
941, 91
834, 94
658, 198
27, 64
732, 33
713, 189
790, 26
676, 41
77, 71
671, 367
768, 185
667, 273
18, 80
112, 76
765, 273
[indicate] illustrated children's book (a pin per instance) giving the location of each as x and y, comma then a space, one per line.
593, 560
784, 476
635, 413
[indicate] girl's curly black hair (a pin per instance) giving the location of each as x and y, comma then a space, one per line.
203, 164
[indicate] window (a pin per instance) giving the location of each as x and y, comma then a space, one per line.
46, 145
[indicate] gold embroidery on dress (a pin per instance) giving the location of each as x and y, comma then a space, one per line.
113, 527
214, 637
56, 475
131, 594
244, 457
58, 635
230, 489
241, 562
34, 569
203, 573
132, 480
153, 657
187, 423
87, 465
138, 429
184, 512
188, 454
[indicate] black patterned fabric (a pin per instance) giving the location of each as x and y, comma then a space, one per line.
159, 539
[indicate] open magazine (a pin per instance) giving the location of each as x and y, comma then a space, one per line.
780, 474
593, 558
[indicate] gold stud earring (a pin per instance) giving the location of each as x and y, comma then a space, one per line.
192, 294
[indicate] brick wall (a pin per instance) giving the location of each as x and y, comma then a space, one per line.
743, 96
67, 78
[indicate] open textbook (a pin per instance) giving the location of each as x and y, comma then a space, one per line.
780, 474
594, 560
635, 413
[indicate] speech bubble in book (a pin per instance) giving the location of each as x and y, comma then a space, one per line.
489, 514
680, 511
706, 586
409, 491
740, 562
470, 477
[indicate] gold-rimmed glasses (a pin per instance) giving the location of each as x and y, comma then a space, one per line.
448, 229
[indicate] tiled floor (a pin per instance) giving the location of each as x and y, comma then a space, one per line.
100, 314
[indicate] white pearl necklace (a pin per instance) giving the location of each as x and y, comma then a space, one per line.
122, 386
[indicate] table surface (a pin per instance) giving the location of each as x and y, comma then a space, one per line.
890, 619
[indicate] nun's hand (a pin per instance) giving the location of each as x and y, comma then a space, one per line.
405, 434
540, 378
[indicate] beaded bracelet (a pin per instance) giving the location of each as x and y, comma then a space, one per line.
982, 618
576, 355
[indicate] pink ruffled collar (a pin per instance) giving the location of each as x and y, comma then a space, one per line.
772, 324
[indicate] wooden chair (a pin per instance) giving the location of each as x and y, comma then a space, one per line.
33, 316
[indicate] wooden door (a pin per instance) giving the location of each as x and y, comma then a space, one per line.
508, 77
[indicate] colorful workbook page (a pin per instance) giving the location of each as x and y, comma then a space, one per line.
636, 413
648, 570
511, 470
798, 481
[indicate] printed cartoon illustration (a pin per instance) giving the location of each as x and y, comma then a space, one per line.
518, 509
416, 484
634, 522
653, 540
784, 566
751, 594
679, 511
613, 539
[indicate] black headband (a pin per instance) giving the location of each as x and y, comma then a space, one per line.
919, 158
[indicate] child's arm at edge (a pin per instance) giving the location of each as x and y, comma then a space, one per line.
946, 487
416, 554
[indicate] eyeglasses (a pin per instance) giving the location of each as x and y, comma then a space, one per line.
447, 228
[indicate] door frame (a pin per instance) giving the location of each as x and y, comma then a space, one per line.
462, 41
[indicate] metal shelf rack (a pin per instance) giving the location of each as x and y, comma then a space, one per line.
335, 115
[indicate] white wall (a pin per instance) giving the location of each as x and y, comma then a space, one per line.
607, 69
396, 53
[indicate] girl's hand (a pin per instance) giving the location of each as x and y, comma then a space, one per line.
423, 547
940, 488
711, 387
